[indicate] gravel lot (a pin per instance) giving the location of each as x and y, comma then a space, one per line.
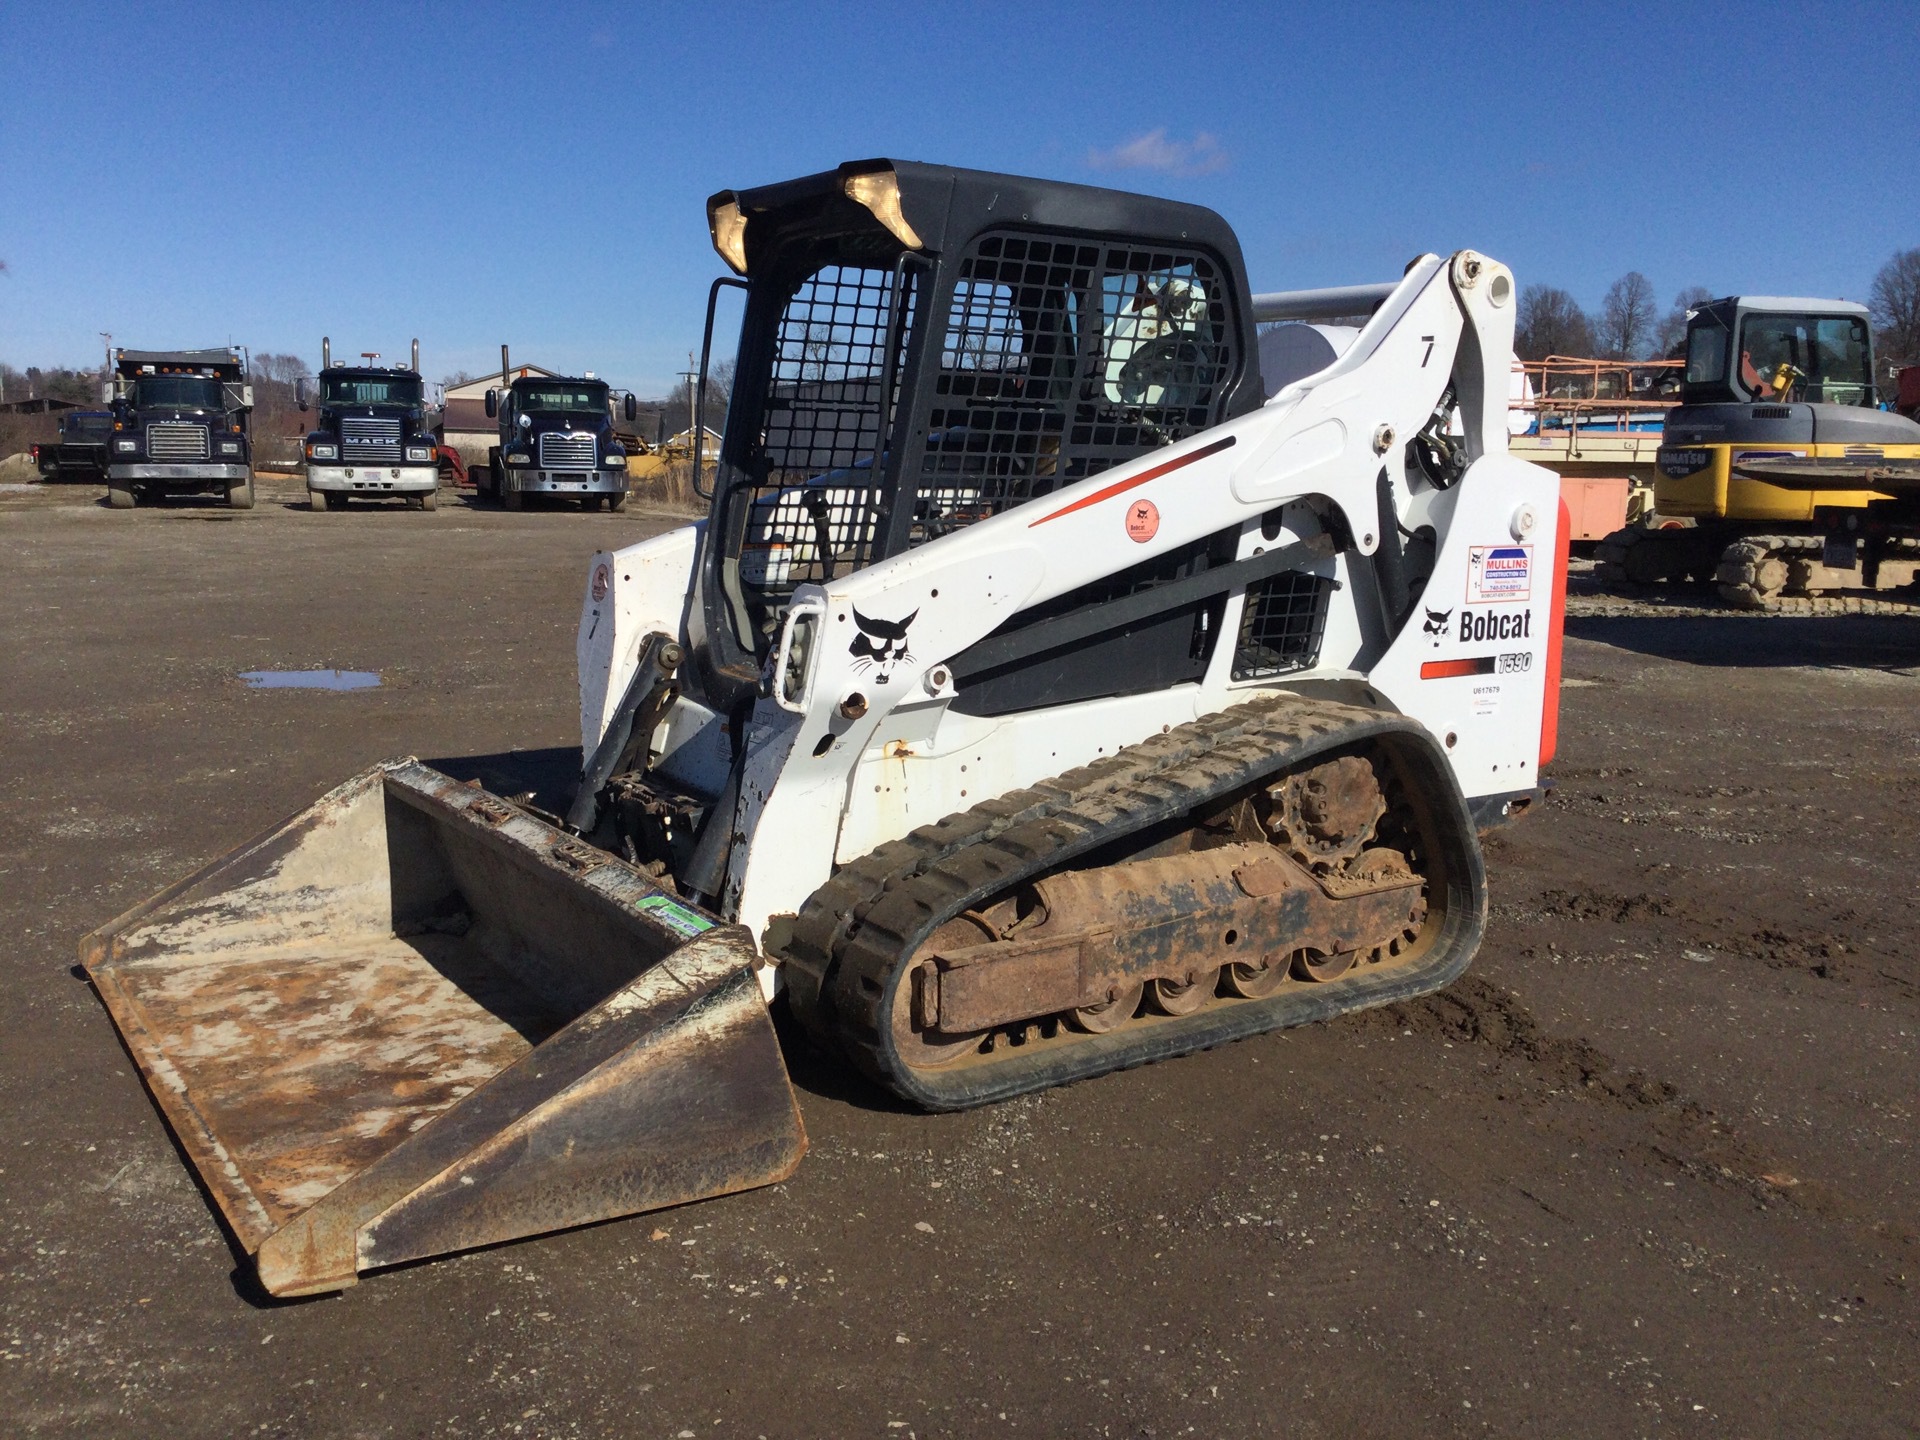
1649, 1169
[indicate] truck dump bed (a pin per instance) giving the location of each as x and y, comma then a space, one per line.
414, 1019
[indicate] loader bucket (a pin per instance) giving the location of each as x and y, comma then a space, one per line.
414, 1019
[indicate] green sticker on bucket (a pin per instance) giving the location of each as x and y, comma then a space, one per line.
675, 916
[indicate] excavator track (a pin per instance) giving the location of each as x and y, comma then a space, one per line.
1756, 573
860, 938
1636, 558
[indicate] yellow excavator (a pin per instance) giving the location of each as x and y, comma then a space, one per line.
1777, 385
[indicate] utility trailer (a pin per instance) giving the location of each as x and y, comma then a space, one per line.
1108, 704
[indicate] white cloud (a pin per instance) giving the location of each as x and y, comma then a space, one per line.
1201, 155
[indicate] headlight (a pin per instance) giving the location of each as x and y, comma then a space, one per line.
229, 447
323, 452
519, 459
619, 462
418, 453
125, 447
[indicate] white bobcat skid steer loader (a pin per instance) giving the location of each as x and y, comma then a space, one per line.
1040, 697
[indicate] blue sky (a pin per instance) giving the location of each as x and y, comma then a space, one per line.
186, 174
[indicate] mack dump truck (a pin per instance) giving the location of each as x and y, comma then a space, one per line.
180, 426
374, 439
1044, 694
556, 439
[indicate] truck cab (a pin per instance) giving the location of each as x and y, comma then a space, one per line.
180, 426
81, 451
556, 438
373, 439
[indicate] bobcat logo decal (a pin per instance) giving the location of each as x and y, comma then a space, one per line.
880, 645
1436, 626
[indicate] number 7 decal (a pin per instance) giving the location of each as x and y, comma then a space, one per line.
1429, 355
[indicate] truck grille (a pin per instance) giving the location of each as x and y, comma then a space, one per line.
176, 442
566, 452
366, 440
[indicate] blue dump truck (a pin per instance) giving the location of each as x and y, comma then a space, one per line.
81, 451
374, 439
556, 438
180, 426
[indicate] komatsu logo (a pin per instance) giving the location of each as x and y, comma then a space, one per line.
1513, 625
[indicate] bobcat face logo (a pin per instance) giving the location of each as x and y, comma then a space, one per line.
1436, 626
880, 645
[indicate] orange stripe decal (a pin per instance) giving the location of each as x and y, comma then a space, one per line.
1122, 486
1449, 669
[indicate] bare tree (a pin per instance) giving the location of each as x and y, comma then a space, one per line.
1673, 329
1894, 303
1551, 322
1626, 317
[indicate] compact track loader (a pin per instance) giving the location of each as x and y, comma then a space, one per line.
1041, 696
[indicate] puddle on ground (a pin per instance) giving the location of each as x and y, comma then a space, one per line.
311, 679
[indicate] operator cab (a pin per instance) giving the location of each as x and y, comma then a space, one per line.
562, 397
925, 347
1778, 350
397, 389
196, 393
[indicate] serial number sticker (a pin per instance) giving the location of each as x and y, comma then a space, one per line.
1517, 662
766, 562
675, 916
1499, 573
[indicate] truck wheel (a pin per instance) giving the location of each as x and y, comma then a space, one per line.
120, 497
319, 501
430, 500
617, 502
240, 497
514, 499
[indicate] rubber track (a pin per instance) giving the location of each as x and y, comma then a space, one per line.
854, 933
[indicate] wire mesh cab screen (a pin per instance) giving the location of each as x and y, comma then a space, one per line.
1281, 626
814, 502
1060, 358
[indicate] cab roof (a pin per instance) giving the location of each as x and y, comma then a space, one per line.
1788, 304
931, 208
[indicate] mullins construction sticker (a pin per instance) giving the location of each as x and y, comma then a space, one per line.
1499, 572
